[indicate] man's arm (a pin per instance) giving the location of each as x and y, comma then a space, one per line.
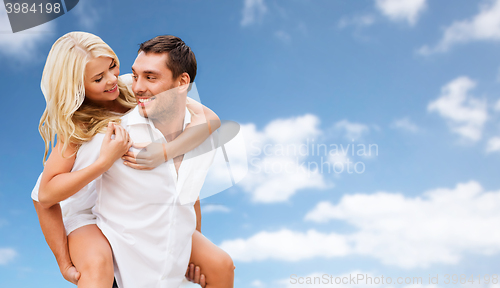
55, 235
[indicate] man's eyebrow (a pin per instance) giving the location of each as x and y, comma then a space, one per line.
154, 72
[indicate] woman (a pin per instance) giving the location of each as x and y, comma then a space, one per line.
81, 103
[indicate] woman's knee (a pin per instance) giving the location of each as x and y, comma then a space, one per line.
224, 264
97, 265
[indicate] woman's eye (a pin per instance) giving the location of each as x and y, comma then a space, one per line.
98, 80
112, 66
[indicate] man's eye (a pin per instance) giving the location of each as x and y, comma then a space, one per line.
151, 78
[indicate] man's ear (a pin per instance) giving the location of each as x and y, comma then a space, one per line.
184, 81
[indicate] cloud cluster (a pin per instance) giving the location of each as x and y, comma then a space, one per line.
7, 255
287, 245
465, 114
275, 173
438, 227
484, 26
405, 124
23, 45
356, 21
402, 10
351, 130
253, 11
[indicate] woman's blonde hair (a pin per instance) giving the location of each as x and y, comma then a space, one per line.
67, 115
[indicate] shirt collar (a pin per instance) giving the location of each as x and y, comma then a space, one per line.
134, 118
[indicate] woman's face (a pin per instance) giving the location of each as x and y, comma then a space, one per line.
101, 80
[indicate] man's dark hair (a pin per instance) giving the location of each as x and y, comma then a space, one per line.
180, 57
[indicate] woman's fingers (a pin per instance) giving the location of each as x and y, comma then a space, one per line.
118, 133
110, 131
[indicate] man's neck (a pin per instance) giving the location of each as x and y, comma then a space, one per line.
172, 127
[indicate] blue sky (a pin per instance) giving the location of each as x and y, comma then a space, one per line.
418, 79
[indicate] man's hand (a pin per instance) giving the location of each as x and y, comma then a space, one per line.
70, 274
151, 155
194, 275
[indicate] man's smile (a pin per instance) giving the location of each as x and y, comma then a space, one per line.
143, 101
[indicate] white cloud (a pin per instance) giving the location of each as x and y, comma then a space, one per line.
352, 131
356, 21
493, 145
438, 227
209, 208
7, 255
253, 11
402, 10
484, 26
283, 36
497, 106
277, 154
257, 283
22, 46
87, 14
405, 124
465, 114
340, 158
286, 245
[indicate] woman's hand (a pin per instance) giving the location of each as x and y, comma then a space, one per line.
151, 155
113, 149
196, 110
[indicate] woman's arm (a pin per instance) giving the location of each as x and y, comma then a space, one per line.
58, 182
203, 122
55, 235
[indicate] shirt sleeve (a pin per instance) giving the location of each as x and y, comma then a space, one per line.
87, 154
34, 192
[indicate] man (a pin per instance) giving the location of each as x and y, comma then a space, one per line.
148, 217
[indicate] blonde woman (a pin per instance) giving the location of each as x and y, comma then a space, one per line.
84, 97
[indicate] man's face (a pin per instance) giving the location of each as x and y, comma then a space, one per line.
154, 85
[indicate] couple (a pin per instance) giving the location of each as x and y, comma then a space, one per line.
103, 214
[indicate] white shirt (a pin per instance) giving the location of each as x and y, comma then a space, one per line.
148, 216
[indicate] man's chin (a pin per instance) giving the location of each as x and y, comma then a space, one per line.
143, 111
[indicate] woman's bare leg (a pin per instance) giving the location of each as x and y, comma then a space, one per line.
91, 254
215, 263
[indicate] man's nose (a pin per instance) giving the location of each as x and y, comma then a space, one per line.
138, 87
